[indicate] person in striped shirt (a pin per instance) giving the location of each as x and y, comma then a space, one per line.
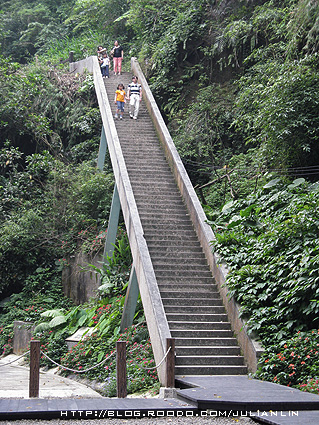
134, 93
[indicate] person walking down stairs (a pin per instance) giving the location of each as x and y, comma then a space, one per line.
119, 101
135, 95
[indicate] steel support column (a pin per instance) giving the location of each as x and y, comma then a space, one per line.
130, 301
102, 151
112, 226
132, 289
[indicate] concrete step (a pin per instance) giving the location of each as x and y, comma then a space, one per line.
189, 309
197, 309
201, 334
188, 269
174, 262
180, 325
158, 174
145, 153
189, 296
168, 241
208, 351
145, 128
151, 204
151, 234
186, 288
133, 162
205, 317
170, 228
187, 247
165, 249
142, 142
207, 360
154, 198
187, 274
163, 217
210, 370
180, 280
202, 341
169, 212
152, 183
149, 169
183, 302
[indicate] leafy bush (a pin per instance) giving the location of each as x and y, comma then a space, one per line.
270, 243
95, 348
114, 271
41, 291
296, 363
277, 103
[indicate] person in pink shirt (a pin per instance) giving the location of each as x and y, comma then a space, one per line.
117, 54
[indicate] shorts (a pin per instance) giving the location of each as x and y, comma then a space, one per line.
120, 105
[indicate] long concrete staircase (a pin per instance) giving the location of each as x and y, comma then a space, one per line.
205, 344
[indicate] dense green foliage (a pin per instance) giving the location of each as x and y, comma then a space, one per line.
103, 316
293, 362
238, 84
42, 290
270, 242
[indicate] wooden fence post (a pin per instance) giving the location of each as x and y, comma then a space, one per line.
71, 57
121, 384
34, 369
170, 363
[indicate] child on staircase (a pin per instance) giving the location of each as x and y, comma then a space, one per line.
120, 100
105, 65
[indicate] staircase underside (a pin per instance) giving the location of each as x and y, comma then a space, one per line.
205, 344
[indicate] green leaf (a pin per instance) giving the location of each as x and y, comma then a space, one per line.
52, 313
272, 183
247, 211
57, 321
41, 327
82, 320
100, 356
227, 206
296, 183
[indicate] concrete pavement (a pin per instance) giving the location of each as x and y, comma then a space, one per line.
14, 383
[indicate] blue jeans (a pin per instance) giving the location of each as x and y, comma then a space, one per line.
120, 106
105, 71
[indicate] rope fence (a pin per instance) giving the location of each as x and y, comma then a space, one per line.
74, 370
154, 367
15, 360
120, 352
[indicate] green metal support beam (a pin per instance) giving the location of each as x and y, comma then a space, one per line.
112, 226
115, 207
132, 289
102, 151
130, 301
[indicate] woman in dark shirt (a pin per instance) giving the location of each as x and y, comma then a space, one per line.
117, 54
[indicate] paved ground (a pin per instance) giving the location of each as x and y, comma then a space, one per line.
15, 383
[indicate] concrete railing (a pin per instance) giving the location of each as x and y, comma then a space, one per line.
250, 348
151, 299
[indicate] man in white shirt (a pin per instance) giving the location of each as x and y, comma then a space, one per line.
135, 95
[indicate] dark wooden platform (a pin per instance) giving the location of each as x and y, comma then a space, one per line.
218, 396
264, 401
93, 408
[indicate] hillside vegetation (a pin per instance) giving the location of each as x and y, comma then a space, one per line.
238, 85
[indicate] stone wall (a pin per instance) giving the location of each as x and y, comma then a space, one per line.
80, 285
22, 332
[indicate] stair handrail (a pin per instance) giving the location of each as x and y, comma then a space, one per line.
251, 349
153, 307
